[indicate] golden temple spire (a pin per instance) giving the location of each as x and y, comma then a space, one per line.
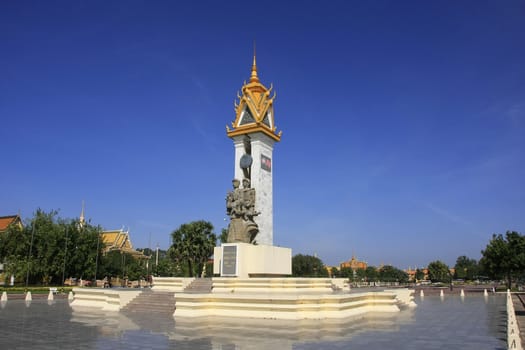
254, 78
82, 219
254, 108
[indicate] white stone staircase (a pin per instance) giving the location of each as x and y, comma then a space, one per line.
199, 286
149, 301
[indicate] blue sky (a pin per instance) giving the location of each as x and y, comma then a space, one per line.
403, 121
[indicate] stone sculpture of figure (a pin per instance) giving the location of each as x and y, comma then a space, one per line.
233, 200
248, 196
240, 207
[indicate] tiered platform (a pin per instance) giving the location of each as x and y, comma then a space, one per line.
279, 285
260, 298
102, 298
288, 299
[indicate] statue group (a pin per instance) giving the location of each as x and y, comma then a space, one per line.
240, 207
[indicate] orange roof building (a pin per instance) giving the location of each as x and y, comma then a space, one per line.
412, 274
7, 221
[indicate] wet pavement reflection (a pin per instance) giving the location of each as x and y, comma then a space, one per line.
473, 322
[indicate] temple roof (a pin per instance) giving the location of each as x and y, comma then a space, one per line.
254, 109
119, 240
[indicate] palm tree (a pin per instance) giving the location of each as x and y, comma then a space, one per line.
193, 244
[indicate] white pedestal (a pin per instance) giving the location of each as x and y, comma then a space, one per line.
247, 260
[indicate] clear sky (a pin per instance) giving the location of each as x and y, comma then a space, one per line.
403, 121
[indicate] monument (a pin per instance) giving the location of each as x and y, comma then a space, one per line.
254, 133
249, 251
254, 274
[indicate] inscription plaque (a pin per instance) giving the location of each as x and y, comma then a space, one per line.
229, 260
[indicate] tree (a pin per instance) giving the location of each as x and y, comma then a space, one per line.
193, 244
166, 268
159, 263
465, 268
360, 275
504, 257
308, 266
438, 271
420, 274
346, 272
334, 272
224, 235
119, 264
371, 274
49, 248
84, 253
14, 248
390, 273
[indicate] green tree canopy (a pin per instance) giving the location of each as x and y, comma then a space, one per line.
390, 273
360, 275
224, 235
48, 249
466, 268
438, 271
124, 265
504, 256
193, 244
420, 274
334, 272
347, 272
308, 266
371, 274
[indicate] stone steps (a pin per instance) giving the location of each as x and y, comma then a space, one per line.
285, 306
199, 286
173, 284
152, 301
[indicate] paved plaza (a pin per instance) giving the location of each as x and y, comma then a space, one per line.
474, 322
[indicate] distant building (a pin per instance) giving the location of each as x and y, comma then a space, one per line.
118, 240
114, 240
8, 221
5, 223
412, 274
353, 264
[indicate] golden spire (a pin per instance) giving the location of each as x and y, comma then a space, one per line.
254, 78
254, 110
82, 219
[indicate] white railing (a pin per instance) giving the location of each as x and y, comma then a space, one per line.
513, 330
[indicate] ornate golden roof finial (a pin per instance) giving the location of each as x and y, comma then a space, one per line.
254, 78
254, 108
82, 219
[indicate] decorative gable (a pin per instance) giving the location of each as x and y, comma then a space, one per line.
254, 109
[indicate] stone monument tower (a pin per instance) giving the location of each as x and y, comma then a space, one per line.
254, 134
250, 207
